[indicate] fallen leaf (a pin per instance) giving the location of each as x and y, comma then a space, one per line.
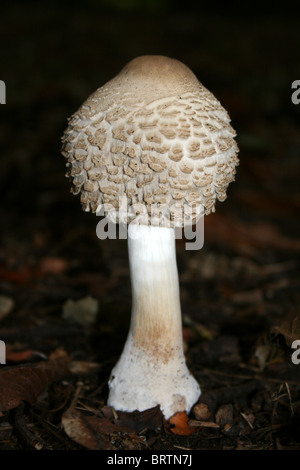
53, 265
151, 419
28, 382
201, 412
103, 425
6, 306
224, 415
179, 424
203, 424
290, 330
78, 428
262, 355
22, 356
84, 367
83, 311
91, 431
20, 276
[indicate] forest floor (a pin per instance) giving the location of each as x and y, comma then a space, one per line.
240, 293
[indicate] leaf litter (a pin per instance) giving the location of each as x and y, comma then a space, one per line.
240, 293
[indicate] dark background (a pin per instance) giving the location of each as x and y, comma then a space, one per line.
244, 282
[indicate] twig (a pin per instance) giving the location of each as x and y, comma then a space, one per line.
290, 397
24, 434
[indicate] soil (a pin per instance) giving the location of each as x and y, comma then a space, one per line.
240, 293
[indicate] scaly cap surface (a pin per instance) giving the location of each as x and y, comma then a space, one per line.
156, 137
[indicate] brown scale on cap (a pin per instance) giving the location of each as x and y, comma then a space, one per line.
156, 135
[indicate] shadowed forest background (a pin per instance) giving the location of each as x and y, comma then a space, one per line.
240, 292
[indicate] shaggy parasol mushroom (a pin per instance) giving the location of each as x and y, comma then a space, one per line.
154, 135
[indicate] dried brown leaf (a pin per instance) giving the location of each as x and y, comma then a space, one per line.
203, 424
6, 306
22, 356
20, 276
91, 431
138, 421
179, 424
224, 415
201, 412
84, 367
28, 382
103, 425
53, 265
80, 430
290, 330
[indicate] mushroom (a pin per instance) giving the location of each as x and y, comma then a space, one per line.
155, 137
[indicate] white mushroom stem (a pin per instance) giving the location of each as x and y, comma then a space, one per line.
152, 370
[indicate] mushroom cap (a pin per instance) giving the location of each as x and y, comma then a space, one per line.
152, 144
